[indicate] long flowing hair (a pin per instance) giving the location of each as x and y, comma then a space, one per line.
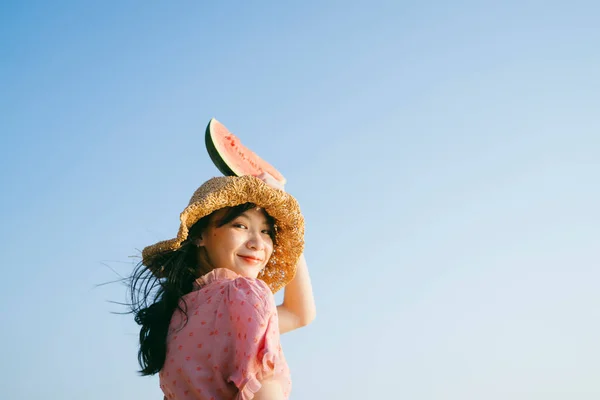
154, 300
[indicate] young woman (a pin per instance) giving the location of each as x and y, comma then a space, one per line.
204, 300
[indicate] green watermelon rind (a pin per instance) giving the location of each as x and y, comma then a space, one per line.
218, 158
214, 154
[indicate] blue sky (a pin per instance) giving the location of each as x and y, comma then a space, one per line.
446, 156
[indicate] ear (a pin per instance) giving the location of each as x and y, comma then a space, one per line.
198, 242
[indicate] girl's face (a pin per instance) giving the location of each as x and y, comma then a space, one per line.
243, 245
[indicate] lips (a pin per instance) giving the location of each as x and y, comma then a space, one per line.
250, 258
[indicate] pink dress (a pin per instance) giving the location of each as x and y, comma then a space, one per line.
229, 344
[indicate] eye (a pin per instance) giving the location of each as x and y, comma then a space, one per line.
239, 225
270, 233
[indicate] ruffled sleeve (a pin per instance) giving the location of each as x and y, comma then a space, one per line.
253, 321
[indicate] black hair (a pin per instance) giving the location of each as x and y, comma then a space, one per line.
154, 300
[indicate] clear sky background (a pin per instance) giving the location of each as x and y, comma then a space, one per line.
446, 156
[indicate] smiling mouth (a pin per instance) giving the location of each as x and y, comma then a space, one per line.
250, 259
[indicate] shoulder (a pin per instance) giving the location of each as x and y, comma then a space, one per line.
252, 285
249, 289
225, 278
249, 294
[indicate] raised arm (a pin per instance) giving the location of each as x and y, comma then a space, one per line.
298, 307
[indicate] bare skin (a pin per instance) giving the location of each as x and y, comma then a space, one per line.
245, 245
270, 390
298, 308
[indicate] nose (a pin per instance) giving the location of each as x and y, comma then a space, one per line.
255, 242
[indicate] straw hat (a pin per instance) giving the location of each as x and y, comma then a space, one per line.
229, 191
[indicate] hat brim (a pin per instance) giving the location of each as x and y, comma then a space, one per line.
229, 191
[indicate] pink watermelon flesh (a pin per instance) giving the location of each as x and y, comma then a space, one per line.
238, 159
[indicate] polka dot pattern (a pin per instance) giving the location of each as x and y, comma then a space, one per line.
229, 344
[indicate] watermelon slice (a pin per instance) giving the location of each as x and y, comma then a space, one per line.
231, 157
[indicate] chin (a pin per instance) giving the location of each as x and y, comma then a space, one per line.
247, 272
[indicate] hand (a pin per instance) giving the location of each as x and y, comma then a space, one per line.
269, 180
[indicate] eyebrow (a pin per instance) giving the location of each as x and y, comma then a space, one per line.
264, 222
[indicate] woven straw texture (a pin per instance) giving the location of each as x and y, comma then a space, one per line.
228, 191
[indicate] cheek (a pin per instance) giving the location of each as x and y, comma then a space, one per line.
217, 246
269, 246
230, 241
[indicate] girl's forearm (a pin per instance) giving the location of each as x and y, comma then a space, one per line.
298, 308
